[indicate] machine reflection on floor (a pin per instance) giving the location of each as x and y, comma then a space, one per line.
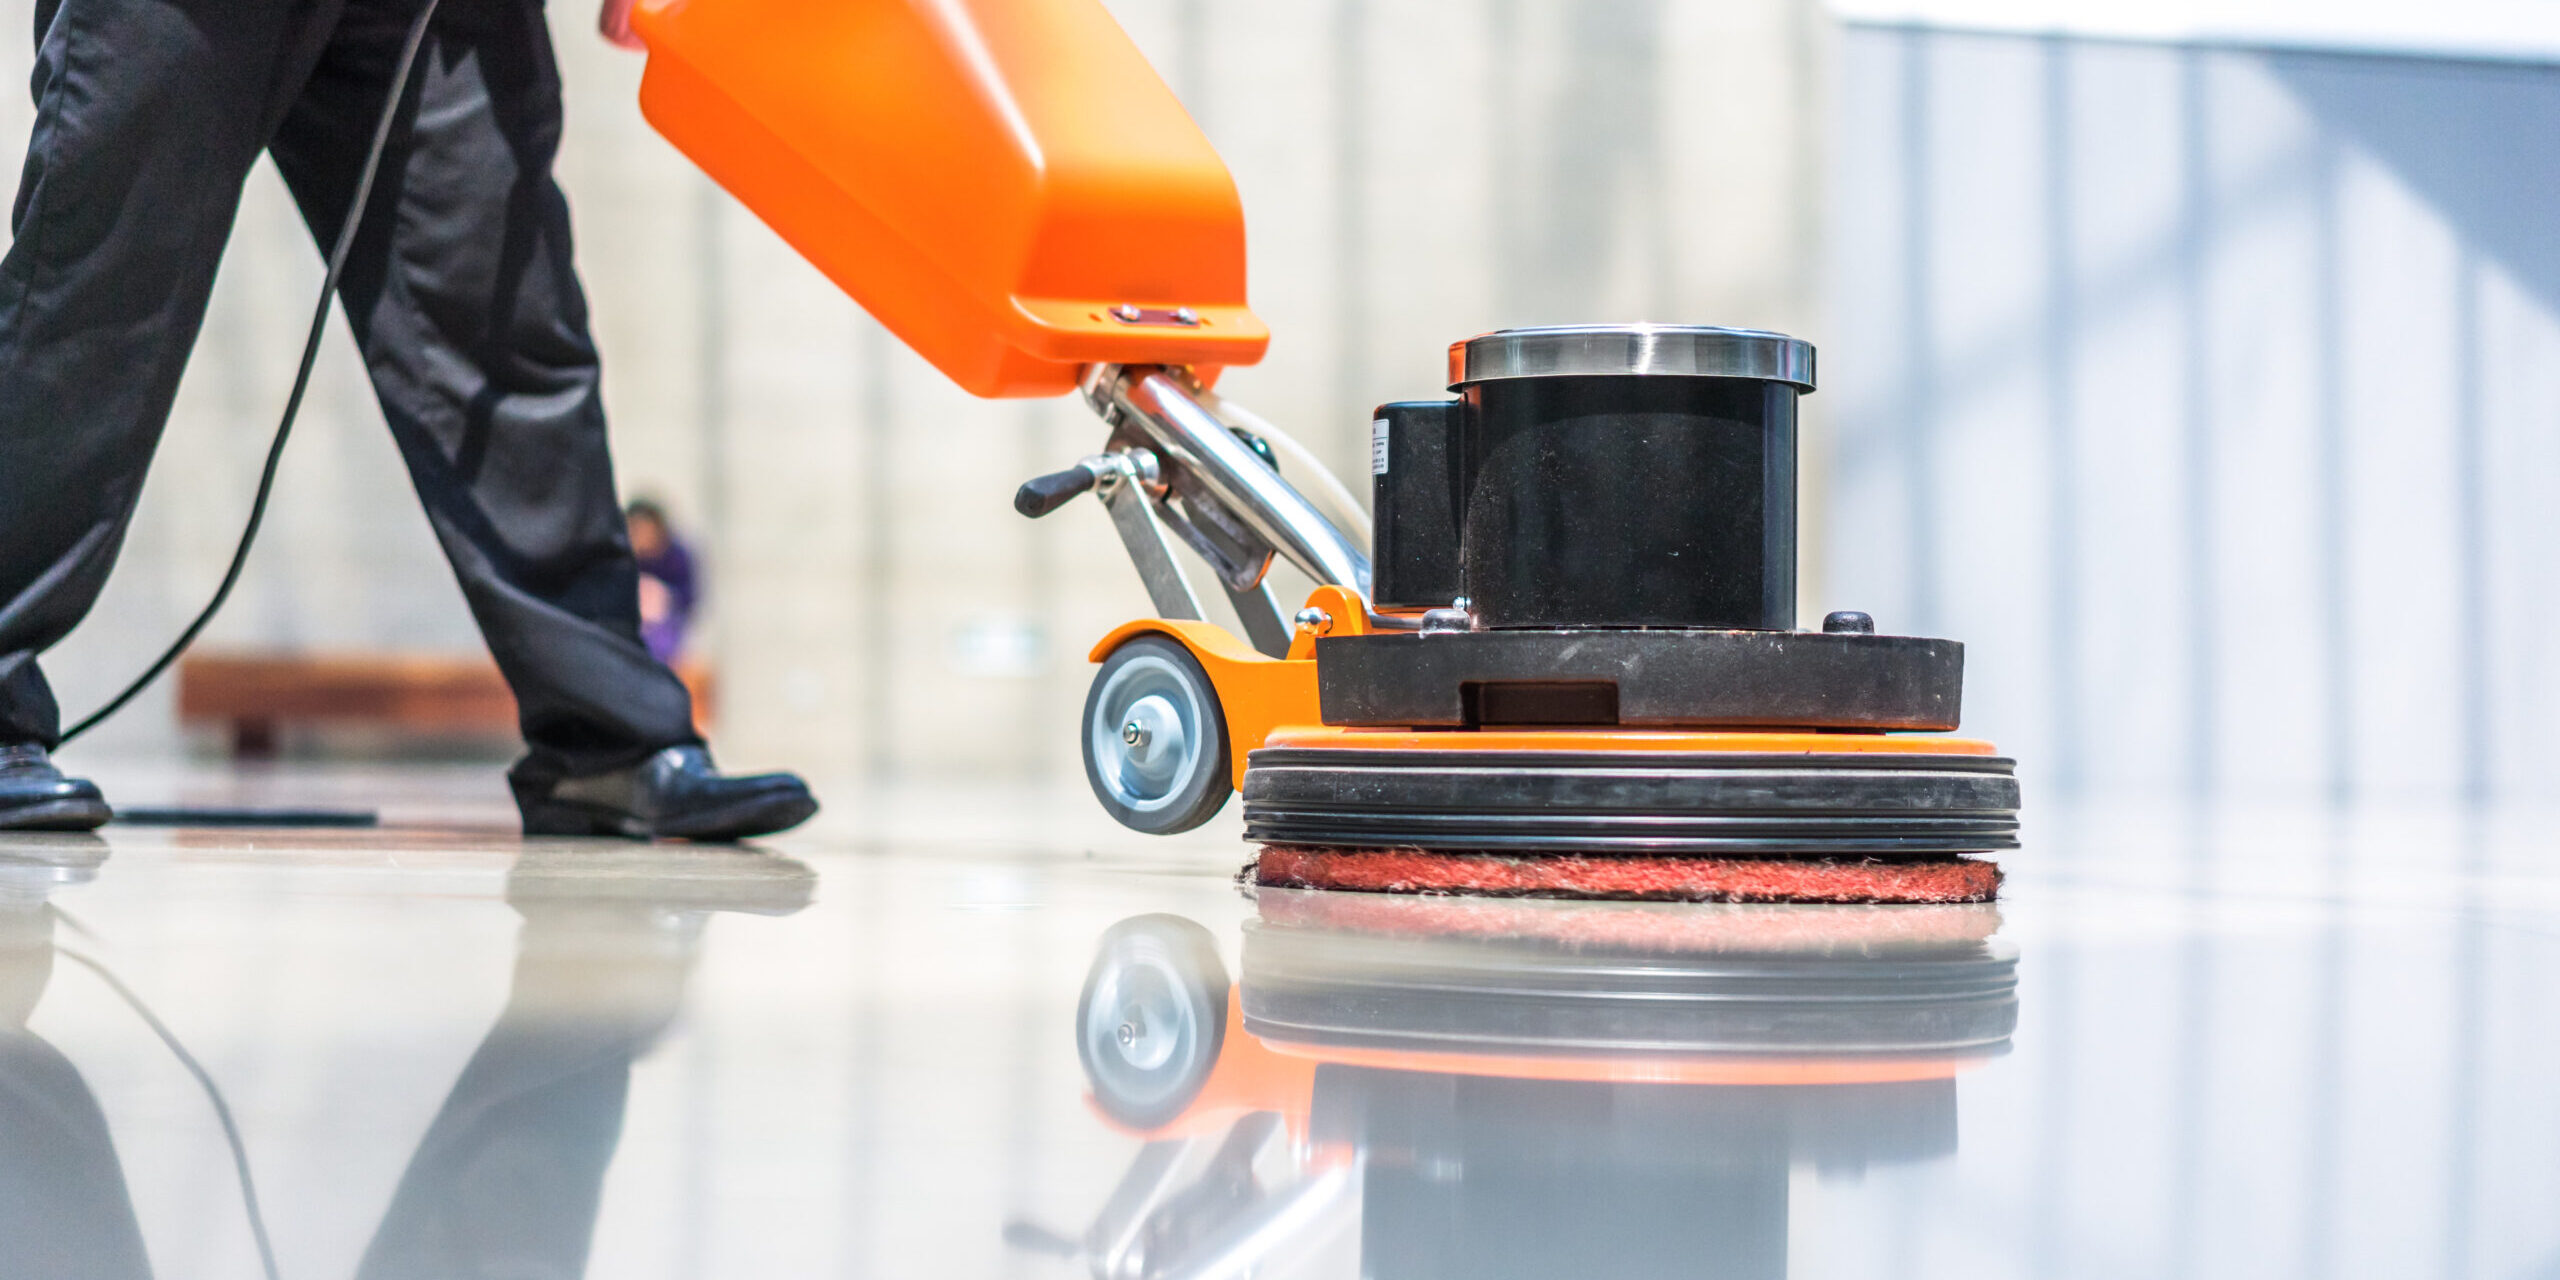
2246, 1042
1524, 1087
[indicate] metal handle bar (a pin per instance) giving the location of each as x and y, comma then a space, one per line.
1154, 403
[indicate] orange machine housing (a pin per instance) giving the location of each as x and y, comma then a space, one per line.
997, 181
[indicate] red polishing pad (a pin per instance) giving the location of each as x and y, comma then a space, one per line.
1683, 878
1749, 929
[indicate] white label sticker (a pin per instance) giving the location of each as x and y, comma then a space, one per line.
1378, 447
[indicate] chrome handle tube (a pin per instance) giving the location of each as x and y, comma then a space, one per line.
1160, 408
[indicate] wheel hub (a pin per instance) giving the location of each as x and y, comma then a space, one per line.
1152, 744
1144, 739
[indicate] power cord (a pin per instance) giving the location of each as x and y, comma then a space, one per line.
212, 1093
301, 383
231, 578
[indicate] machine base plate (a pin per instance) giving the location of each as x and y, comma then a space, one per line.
1857, 804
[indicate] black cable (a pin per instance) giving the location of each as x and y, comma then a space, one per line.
212, 1092
301, 382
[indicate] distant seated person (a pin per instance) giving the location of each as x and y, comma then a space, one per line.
669, 587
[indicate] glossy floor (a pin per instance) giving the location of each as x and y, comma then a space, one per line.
982, 1033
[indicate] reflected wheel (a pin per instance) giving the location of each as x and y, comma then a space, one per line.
1152, 1018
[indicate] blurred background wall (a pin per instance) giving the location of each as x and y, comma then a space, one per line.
2206, 389
2211, 395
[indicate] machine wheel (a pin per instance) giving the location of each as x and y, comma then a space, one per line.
1155, 738
1152, 1018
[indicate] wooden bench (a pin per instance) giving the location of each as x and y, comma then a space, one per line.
253, 695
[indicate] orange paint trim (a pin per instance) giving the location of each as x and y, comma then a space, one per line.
1255, 1073
1705, 1071
1256, 694
1321, 735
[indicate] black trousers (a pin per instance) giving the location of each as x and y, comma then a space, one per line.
460, 291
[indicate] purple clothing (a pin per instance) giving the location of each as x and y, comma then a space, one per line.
672, 567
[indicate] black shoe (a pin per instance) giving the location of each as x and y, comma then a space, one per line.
34, 796
677, 794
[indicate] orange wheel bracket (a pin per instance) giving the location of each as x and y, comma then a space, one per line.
1257, 693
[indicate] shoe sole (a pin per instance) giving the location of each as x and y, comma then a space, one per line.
744, 820
57, 815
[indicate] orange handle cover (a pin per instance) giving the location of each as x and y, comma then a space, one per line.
989, 178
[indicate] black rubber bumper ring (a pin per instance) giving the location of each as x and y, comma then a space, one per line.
1873, 804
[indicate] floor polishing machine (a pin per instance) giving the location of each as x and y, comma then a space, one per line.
1563, 657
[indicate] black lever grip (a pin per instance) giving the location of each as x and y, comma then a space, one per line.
1041, 495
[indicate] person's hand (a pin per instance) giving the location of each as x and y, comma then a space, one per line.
656, 601
613, 20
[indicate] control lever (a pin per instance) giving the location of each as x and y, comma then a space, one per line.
1041, 495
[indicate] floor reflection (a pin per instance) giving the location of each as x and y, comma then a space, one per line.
507, 1180
2281, 1046
1454, 1087
63, 1205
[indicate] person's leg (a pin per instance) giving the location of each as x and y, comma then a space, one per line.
465, 300
510, 1175
148, 116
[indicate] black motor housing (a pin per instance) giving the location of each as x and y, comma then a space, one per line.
1598, 477
1414, 480
1630, 502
